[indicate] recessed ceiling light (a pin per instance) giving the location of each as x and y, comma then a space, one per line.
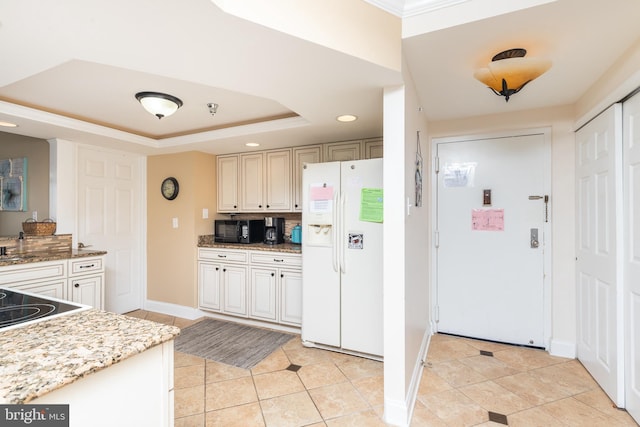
252, 144
347, 118
8, 125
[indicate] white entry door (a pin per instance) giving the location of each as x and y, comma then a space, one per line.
109, 218
599, 250
492, 231
631, 155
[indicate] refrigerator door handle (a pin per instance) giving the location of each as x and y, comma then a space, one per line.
335, 233
343, 249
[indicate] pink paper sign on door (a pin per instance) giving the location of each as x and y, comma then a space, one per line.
487, 219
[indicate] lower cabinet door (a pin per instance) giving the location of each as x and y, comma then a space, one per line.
263, 293
234, 290
209, 275
87, 290
291, 297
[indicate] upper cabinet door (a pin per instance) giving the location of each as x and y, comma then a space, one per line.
373, 149
278, 180
342, 151
227, 183
308, 154
251, 182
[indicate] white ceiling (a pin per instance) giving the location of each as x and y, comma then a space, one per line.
70, 69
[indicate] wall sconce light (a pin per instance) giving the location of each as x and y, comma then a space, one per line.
509, 71
159, 104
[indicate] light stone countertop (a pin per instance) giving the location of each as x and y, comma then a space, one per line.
207, 241
41, 256
41, 357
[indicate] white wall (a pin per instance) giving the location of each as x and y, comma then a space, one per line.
406, 253
562, 204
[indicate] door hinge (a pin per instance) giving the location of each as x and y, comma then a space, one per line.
436, 165
436, 239
436, 313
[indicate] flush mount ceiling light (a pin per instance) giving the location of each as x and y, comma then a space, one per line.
252, 144
345, 118
509, 71
8, 124
159, 104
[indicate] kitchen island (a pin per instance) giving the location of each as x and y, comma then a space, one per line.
111, 369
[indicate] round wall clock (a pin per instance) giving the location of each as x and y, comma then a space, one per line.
169, 188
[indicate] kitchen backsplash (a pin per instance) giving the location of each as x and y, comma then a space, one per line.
31, 244
290, 220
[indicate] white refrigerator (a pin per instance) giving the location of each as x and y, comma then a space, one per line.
342, 256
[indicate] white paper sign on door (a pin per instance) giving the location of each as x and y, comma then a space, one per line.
321, 198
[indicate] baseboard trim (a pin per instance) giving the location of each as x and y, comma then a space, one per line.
192, 313
563, 349
397, 412
170, 309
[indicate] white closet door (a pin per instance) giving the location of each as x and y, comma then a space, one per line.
599, 250
631, 155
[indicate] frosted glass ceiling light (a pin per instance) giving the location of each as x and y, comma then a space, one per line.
509, 71
159, 104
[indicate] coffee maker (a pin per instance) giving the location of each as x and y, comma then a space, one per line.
273, 230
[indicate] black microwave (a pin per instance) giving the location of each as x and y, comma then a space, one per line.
238, 230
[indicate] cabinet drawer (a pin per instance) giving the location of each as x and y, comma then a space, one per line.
85, 265
33, 271
222, 255
276, 259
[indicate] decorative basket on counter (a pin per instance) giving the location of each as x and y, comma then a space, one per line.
32, 227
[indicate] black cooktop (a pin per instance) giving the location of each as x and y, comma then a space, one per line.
18, 307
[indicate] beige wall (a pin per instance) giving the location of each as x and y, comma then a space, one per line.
561, 121
171, 252
37, 153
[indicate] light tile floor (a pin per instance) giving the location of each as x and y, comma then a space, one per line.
298, 386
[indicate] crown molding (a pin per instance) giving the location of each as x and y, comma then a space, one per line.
407, 8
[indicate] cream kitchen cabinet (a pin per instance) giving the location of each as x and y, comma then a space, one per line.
302, 155
276, 287
342, 151
47, 278
86, 281
372, 148
228, 177
265, 181
251, 182
278, 180
222, 281
79, 280
261, 285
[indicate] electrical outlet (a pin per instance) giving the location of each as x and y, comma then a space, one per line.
34, 215
205, 213
174, 222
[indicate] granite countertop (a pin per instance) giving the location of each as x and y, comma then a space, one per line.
207, 242
41, 256
44, 356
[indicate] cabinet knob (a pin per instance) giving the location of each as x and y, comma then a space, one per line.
224, 269
235, 206
77, 285
267, 206
281, 275
260, 206
296, 205
273, 274
217, 268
